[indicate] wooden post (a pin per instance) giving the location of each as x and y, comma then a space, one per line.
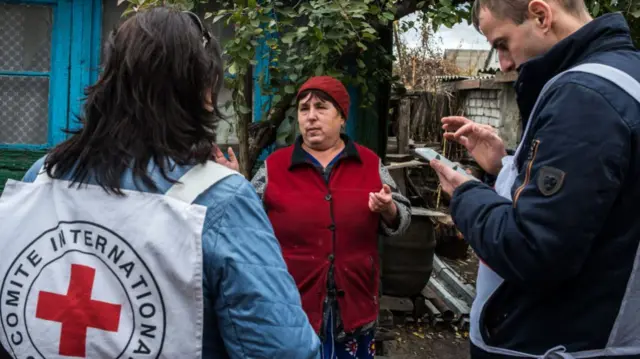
413, 72
404, 125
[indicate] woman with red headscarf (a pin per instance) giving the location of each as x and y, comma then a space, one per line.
328, 199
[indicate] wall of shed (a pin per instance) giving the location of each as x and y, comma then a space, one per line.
497, 108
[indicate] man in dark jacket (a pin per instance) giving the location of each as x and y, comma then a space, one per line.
559, 248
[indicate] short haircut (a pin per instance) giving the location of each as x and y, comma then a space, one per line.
516, 10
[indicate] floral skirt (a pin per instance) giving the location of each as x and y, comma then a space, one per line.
360, 347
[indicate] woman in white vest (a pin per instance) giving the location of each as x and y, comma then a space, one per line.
126, 242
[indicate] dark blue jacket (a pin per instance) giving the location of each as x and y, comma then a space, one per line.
566, 257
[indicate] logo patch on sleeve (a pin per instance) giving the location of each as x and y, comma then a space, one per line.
550, 180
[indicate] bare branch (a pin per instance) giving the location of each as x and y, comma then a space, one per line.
408, 7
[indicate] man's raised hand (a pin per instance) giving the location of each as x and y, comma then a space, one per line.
480, 140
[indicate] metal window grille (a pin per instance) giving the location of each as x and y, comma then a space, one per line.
25, 58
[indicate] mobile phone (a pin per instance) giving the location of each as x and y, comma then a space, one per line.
430, 154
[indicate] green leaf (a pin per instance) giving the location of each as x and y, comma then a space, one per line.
289, 89
595, 9
420, 5
276, 99
389, 16
233, 69
361, 64
362, 46
244, 110
218, 17
288, 38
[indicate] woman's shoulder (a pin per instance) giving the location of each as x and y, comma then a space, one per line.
226, 189
32, 172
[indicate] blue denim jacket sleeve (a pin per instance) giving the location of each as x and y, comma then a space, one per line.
255, 298
32, 173
249, 295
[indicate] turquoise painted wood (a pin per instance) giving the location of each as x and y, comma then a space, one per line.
38, 2
262, 102
96, 40
25, 73
75, 54
354, 112
59, 88
82, 50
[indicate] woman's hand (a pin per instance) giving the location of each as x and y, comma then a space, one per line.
382, 202
231, 163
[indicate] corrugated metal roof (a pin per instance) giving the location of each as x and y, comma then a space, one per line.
489, 70
453, 78
449, 78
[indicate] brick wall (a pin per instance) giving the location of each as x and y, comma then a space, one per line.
495, 107
482, 106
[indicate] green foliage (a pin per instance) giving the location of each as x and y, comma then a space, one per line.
446, 13
305, 38
629, 8
138, 5
308, 38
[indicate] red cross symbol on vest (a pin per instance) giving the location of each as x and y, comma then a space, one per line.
77, 311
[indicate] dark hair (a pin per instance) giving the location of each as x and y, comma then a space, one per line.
516, 10
323, 96
148, 104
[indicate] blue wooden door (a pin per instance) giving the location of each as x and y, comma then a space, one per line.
35, 40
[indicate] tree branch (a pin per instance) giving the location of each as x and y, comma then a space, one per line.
407, 7
263, 133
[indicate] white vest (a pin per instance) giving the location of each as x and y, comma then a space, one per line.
488, 281
88, 274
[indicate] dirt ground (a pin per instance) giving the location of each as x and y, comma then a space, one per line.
420, 340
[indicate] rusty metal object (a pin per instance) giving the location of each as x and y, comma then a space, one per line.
451, 243
446, 314
407, 261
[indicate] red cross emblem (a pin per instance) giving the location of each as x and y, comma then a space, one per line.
77, 311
